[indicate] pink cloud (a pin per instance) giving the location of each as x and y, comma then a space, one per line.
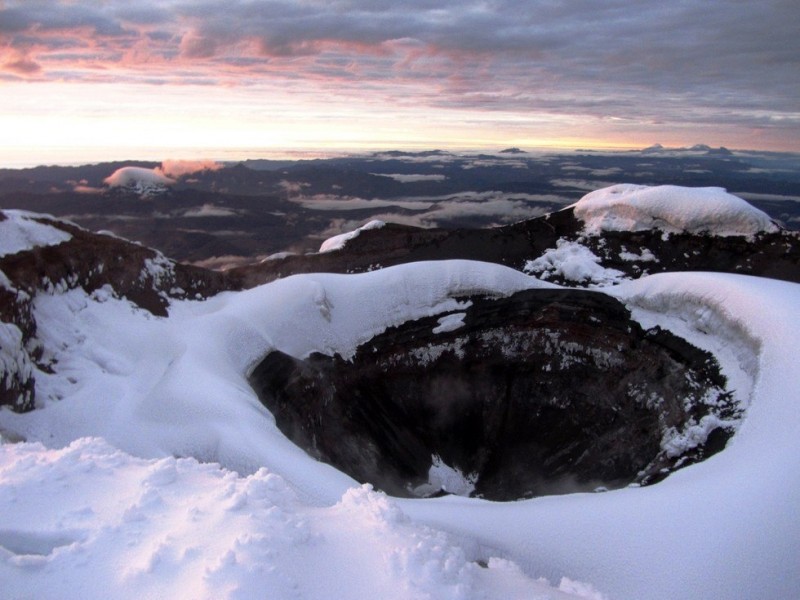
22, 66
86, 189
176, 168
531, 58
194, 45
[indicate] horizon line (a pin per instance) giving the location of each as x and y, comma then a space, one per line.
98, 155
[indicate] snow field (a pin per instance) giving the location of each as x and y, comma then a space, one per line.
177, 528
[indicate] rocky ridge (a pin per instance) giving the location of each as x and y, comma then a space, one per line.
87, 260
633, 253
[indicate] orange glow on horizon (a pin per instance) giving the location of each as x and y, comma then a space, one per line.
69, 122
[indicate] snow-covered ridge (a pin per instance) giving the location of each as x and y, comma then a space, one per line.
338, 242
20, 231
672, 209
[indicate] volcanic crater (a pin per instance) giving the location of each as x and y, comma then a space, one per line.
546, 391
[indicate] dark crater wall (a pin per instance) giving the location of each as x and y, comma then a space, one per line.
542, 392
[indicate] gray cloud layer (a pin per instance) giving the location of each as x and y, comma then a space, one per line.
729, 63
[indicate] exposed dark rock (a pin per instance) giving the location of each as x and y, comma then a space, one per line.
17, 383
546, 391
775, 255
90, 261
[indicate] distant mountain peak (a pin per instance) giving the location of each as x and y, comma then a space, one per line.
721, 151
653, 149
139, 180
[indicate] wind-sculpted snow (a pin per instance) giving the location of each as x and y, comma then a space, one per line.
572, 262
175, 528
123, 518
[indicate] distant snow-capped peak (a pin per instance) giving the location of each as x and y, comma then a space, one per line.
139, 180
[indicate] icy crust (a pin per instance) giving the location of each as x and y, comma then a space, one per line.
670, 208
20, 231
338, 242
443, 477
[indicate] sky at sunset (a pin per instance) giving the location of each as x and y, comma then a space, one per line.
158, 79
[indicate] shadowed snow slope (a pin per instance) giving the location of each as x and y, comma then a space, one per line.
161, 387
